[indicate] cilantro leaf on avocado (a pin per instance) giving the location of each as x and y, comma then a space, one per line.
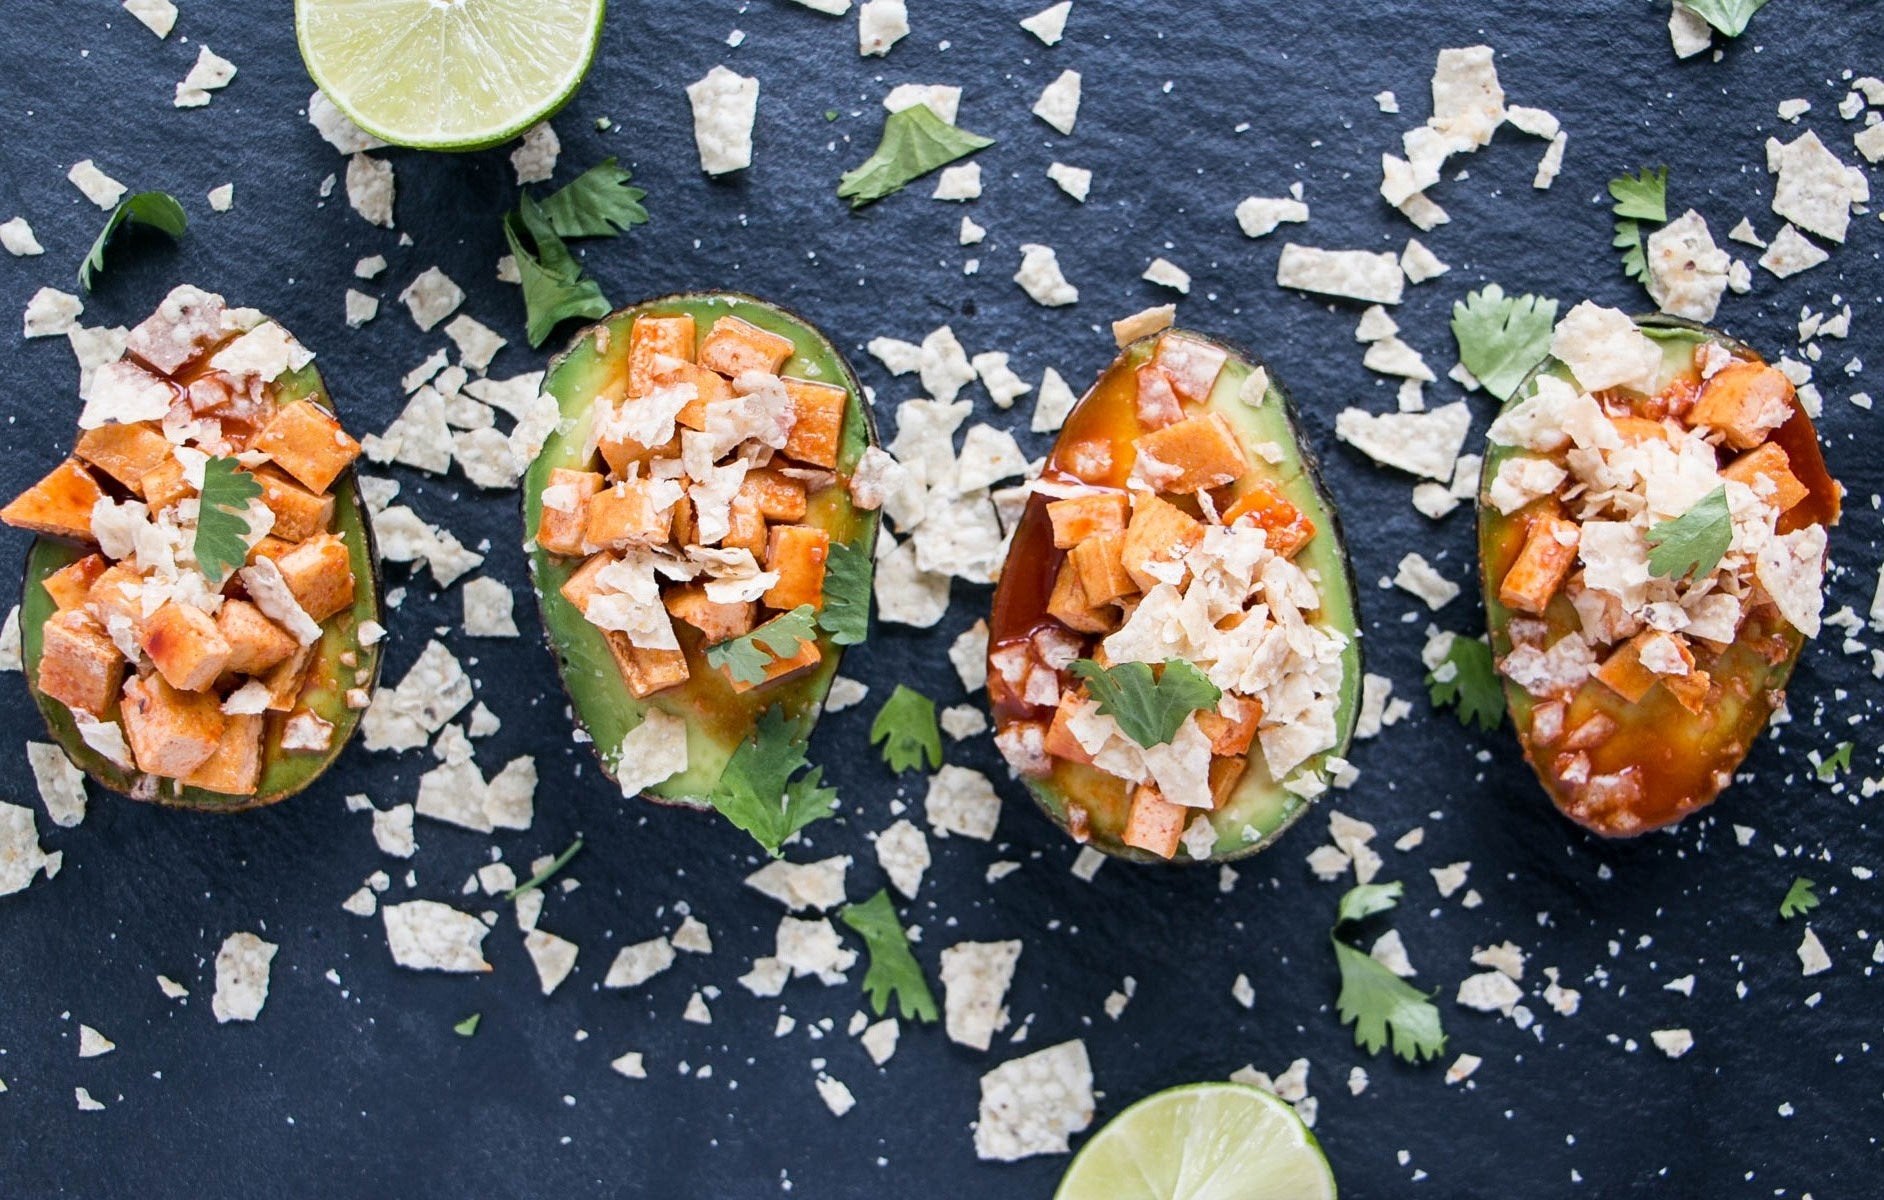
222, 518
1692, 544
915, 142
1502, 337
747, 656
845, 616
1149, 708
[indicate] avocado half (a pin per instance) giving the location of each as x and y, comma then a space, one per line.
1687, 757
718, 718
325, 694
1259, 809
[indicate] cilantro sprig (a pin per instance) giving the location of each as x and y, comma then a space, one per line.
1150, 708
746, 657
548, 872
1730, 17
158, 210
597, 203
1502, 337
1638, 198
845, 616
1800, 899
915, 142
1692, 544
762, 791
893, 971
1379, 1004
1467, 681
222, 518
906, 728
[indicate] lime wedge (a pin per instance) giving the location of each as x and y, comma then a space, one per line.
448, 74
1205, 1141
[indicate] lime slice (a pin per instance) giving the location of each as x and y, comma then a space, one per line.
1205, 1141
448, 74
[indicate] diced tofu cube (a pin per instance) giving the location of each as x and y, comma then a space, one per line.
656, 337
798, 554
307, 442
1159, 533
1691, 690
746, 527
1745, 401
1100, 561
1288, 527
716, 622
164, 485
1550, 550
1191, 455
818, 427
1226, 771
79, 665
70, 584
580, 587
271, 548
285, 679
117, 592
624, 515
1068, 604
559, 529
172, 733
1768, 471
684, 532
125, 452
709, 387
1060, 740
60, 505
319, 572
622, 453
1628, 676
1639, 429
776, 497
733, 347
255, 643
807, 656
1190, 364
646, 671
1154, 824
1157, 402
1231, 735
299, 513
235, 769
185, 646
1081, 517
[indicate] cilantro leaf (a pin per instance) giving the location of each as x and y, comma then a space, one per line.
906, 727
596, 203
1728, 16
554, 287
1471, 686
1149, 708
547, 873
746, 657
1364, 900
1800, 898
159, 210
1692, 543
915, 142
1642, 196
468, 1026
1377, 1002
845, 616
757, 791
1628, 239
1502, 337
893, 970
222, 518
1837, 763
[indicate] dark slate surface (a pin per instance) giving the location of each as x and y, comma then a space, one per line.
360, 1088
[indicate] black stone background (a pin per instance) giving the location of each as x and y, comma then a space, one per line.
362, 1089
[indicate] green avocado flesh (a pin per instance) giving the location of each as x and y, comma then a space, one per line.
718, 718
1259, 809
1683, 758
284, 773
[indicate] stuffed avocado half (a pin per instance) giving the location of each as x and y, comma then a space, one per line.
199, 625
1174, 666
697, 558
1652, 533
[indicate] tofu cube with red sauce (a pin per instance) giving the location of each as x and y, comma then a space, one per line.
1226, 771
1768, 471
1231, 735
1069, 604
79, 665
1191, 455
1191, 365
1159, 533
1100, 561
70, 584
581, 586
818, 421
1288, 527
1550, 550
307, 442
646, 671
319, 572
716, 622
299, 512
1626, 674
1060, 741
235, 769
164, 485
798, 553
709, 387
185, 646
60, 505
733, 347
1745, 401
256, 643
1080, 517
1157, 402
1153, 823
125, 452
653, 338
559, 528
172, 733
117, 592
625, 514
285, 679
746, 526
777, 497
